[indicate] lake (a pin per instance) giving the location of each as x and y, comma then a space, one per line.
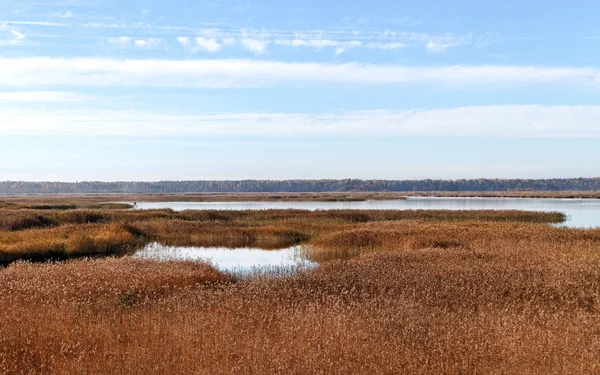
582, 213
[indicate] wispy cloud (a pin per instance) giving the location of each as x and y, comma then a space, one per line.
37, 23
385, 46
257, 41
208, 44
439, 44
120, 41
184, 41
10, 36
318, 44
513, 121
212, 73
147, 43
42, 97
17, 35
256, 46
125, 41
63, 14
486, 39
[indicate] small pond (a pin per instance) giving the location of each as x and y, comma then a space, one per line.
238, 261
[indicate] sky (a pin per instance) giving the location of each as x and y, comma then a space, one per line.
109, 90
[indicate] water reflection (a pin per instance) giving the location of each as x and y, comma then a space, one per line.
582, 213
239, 261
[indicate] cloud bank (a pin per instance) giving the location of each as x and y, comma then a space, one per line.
220, 73
509, 121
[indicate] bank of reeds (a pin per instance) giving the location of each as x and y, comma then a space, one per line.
59, 234
410, 235
25, 219
69, 241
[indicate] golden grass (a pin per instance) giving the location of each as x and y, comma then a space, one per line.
509, 300
416, 292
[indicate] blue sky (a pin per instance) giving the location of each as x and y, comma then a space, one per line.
152, 90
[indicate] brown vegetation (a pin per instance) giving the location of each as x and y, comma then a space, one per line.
397, 292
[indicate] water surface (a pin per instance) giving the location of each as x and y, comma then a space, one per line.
581, 213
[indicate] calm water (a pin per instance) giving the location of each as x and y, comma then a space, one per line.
582, 213
241, 261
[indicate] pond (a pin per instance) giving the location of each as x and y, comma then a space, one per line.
582, 213
240, 261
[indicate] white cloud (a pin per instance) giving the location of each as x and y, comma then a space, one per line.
511, 121
64, 14
258, 41
439, 44
41, 72
42, 96
17, 35
208, 44
319, 44
184, 41
101, 25
37, 23
120, 41
147, 43
437, 47
228, 41
256, 46
14, 37
385, 46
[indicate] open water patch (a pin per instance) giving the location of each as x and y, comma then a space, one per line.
581, 213
239, 261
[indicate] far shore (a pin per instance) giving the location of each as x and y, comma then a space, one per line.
100, 200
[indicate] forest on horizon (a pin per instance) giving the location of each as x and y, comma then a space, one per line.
300, 186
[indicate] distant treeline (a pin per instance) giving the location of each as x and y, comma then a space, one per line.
297, 186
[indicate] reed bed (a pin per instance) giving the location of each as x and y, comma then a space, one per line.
69, 241
500, 308
409, 235
187, 233
11, 219
51, 234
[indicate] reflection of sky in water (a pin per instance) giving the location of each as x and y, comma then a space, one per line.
226, 259
582, 212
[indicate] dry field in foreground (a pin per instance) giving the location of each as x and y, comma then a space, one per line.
452, 294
